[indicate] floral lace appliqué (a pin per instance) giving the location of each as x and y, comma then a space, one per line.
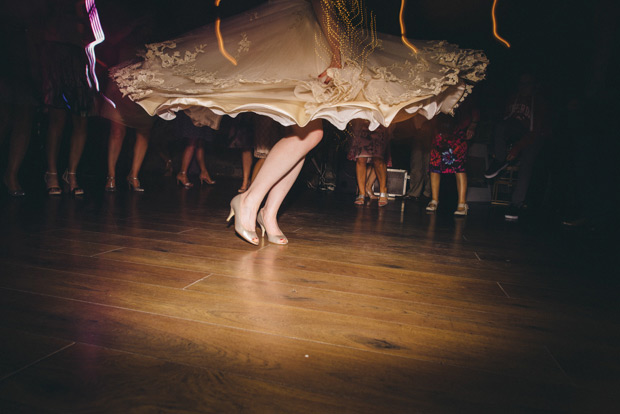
244, 44
156, 50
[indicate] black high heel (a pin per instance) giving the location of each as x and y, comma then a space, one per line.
77, 190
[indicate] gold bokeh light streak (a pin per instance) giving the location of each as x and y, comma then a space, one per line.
403, 34
220, 40
497, 36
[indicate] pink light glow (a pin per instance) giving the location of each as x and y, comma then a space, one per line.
95, 25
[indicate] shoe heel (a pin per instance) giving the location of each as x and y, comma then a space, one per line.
262, 228
231, 214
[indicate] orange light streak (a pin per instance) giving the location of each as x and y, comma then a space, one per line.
220, 43
220, 40
497, 36
402, 28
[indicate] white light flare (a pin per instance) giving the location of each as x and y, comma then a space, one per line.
95, 25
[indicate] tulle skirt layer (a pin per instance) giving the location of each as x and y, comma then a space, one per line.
276, 52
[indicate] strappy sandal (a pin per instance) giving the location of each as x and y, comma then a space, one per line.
110, 184
52, 189
461, 209
383, 200
432, 206
371, 195
77, 190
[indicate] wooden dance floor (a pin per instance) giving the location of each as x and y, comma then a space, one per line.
149, 303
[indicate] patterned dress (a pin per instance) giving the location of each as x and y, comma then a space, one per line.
366, 143
449, 146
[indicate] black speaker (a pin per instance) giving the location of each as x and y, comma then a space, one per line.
396, 183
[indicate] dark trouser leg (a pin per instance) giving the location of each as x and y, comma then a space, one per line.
527, 158
418, 170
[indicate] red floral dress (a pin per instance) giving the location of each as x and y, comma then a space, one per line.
449, 147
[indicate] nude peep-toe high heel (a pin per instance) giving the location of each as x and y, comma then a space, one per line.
273, 238
247, 235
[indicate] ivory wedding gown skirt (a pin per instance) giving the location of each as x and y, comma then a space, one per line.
280, 50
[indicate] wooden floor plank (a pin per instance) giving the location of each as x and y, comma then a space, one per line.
279, 256
450, 347
351, 374
111, 269
25, 349
269, 257
423, 260
151, 385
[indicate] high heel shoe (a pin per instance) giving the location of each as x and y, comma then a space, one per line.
52, 189
359, 200
205, 179
273, 238
110, 184
18, 192
383, 200
134, 184
74, 189
183, 180
247, 235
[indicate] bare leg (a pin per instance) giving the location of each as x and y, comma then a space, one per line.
115, 143
461, 187
200, 157
276, 197
284, 160
139, 151
187, 158
371, 177
20, 138
57, 119
381, 172
435, 180
246, 161
257, 166
360, 173
78, 141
